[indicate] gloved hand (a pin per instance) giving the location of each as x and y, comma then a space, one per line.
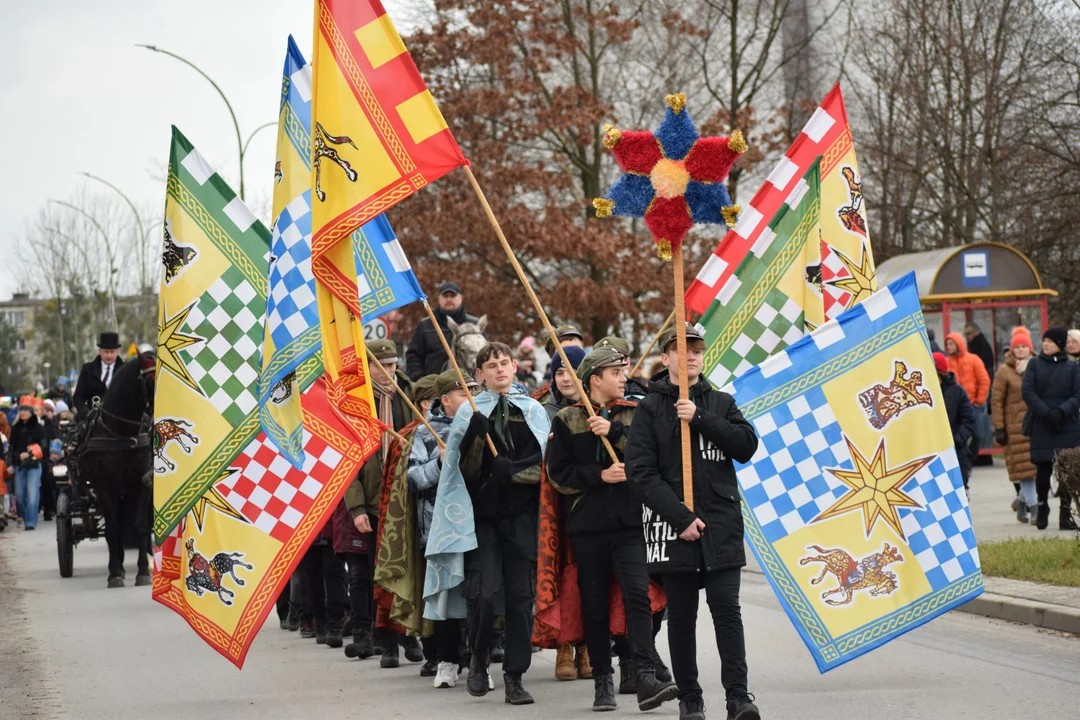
1001, 437
502, 469
1055, 417
479, 425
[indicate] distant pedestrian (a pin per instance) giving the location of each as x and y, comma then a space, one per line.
980, 347
934, 347
25, 451
971, 374
961, 418
1052, 392
1072, 345
1008, 410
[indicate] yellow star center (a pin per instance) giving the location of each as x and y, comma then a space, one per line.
171, 341
670, 178
862, 282
875, 488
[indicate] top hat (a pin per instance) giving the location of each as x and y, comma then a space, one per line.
109, 341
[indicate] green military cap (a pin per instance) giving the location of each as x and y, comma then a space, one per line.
383, 349
449, 381
614, 341
562, 332
669, 336
425, 388
599, 359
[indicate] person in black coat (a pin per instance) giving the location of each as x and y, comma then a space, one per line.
426, 355
25, 432
703, 547
961, 414
979, 346
97, 375
1051, 390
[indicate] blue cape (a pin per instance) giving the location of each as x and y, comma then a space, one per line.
453, 530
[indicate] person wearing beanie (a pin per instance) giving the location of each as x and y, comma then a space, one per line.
602, 518
961, 416
569, 336
1072, 345
24, 454
1008, 409
972, 376
1051, 389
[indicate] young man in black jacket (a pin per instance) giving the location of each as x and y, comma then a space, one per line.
703, 547
603, 521
505, 494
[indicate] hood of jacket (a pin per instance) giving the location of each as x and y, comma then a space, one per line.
961, 343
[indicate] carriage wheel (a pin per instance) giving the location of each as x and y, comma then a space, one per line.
65, 544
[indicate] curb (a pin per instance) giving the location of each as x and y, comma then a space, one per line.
1021, 610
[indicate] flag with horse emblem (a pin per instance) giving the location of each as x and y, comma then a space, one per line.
377, 137
853, 504
224, 565
775, 294
210, 334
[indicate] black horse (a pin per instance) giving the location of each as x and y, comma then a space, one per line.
113, 455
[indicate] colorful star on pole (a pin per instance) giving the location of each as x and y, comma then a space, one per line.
171, 341
672, 178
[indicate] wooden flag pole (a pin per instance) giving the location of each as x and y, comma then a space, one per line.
454, 364
656, 338
684, 387
405, 397
584, 396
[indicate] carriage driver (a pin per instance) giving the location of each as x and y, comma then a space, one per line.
97, 375
426, 355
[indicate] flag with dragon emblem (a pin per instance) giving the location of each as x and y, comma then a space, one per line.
853, 504
211, 308
224, 564
775, 294
848, 275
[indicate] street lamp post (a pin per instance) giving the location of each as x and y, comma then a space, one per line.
241, 144
111, 258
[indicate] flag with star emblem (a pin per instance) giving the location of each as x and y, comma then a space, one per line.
847, 262
775, 294
853, 503
211, 309
224, 564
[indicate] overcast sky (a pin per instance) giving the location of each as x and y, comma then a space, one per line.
77, 95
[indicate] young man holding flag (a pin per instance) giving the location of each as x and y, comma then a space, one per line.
702, 547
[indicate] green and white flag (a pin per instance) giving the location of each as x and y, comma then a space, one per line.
774, 296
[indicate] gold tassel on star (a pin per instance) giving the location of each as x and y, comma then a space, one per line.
737, 143
604, 207
676, 102
663, 250
612, 136
731, 214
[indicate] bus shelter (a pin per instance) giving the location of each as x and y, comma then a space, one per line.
990, 284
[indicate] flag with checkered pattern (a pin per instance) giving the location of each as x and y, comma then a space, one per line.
773, 295
854, 504
212, 306
224, 565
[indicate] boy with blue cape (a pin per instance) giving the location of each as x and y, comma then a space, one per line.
484, 526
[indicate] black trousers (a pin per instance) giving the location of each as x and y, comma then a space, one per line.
722, 595
361, 595
505, 555
1044, 471
289, 597
324, 581
599, 557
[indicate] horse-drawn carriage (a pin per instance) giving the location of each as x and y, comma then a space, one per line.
104, 489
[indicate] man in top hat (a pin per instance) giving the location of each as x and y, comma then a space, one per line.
97, 375
426, 355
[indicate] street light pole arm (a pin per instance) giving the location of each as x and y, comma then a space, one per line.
138, 218
193, 66
252, 135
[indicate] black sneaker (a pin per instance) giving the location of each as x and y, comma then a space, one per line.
742, 707
604, 686
498, 653
307, 629
361, 646
429, 668
283, 623
1042, 516
692, 708
320, 633
292, 621
516, 694
627, 685
333, 635
390, 659
652, 693
662, 672
477, 683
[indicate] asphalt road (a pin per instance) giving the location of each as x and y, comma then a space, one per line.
73, 649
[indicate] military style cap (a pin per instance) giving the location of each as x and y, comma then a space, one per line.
383, 349
599, 359
562, 332
424, 389
449, 381
614, 341
669, 336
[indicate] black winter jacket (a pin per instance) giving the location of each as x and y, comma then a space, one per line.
24, 434
1052, 383
719, 434
591, 505
425, 355
506, 486
961, 418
